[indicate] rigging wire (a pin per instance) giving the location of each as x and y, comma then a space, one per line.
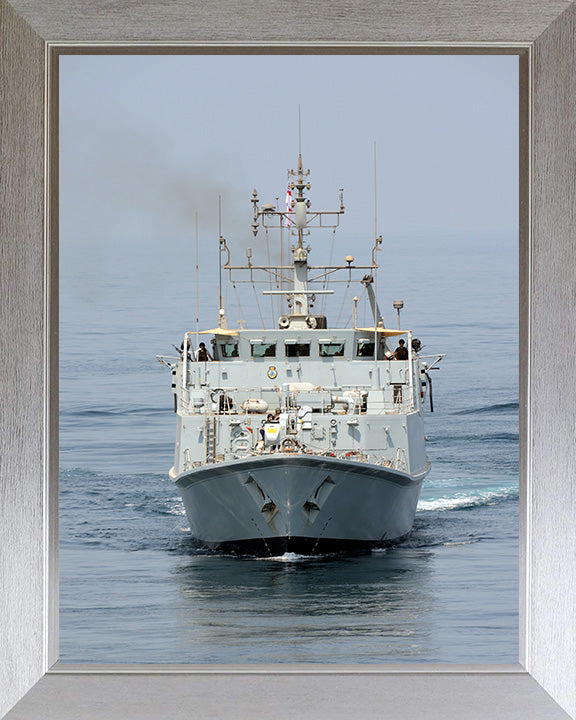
240, 311
343, 301
327, 278
270, 281
278, 307
258, 305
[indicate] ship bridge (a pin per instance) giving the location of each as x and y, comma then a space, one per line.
257, 371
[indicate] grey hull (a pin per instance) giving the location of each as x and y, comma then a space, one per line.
300, 503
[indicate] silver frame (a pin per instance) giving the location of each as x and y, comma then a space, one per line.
543, 32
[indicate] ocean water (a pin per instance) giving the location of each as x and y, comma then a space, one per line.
136, 588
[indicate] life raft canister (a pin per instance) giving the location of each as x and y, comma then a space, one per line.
255, 405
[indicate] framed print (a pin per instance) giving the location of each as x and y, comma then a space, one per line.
542, 684
133, 188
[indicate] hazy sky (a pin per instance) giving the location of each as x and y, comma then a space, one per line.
149, 141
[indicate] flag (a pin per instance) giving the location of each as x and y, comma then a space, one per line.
288, 204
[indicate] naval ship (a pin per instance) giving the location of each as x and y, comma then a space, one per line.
306, 437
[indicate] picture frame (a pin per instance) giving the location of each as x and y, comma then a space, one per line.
543, 684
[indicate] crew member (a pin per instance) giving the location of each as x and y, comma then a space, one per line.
181, 350
202, 355
269, 419
401, 352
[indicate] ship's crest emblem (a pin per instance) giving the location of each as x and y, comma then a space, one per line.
272, 372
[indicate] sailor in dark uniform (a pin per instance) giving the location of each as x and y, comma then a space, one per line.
401, 352
181, 350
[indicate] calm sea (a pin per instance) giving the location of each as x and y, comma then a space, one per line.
135, 588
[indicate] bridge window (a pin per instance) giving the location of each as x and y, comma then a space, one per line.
229, 350
331, 349
297, 349
263, 350
365, 348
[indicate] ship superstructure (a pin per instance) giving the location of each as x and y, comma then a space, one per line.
304, 437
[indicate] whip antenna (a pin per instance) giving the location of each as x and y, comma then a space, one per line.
375, 263
219, 260
197, 289
375, 201
299, 133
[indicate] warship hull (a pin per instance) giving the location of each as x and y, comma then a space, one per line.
301, 503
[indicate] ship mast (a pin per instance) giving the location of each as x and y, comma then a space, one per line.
299, 219
301, 206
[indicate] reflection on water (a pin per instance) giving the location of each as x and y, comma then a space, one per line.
135, 587
322, 610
